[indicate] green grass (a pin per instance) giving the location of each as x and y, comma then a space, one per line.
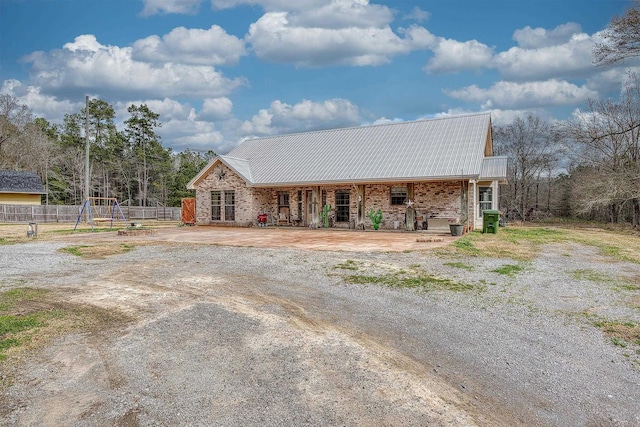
75, 250
524, 243
536, 235
88, 230
17, 329
509, 269
465, 245
13, 324
9, 298
591, 276
415, 280
458, 264
97, 251
620, 332
347, 265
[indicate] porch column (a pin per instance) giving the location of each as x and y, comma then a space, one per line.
315, 212
410, 212
360, 205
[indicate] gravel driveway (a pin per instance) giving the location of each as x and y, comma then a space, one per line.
220, 335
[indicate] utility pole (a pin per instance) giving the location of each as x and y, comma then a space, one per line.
86, 149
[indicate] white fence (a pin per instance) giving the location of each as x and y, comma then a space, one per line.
62, 213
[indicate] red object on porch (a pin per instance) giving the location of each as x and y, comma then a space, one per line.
262, 220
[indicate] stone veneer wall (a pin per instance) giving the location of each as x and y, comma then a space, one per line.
431, 199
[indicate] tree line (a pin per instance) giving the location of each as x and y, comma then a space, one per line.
589, 166
130, 165
586, 167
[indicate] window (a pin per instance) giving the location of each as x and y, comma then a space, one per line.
216, 202
299, 204
324, 198
283, 200
342, 206
486, 198
283, 206
398, 195
229, 205
226, 199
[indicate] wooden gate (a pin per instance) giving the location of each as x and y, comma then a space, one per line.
188, 216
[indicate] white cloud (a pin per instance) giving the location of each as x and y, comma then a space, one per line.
533, 38
274, 38
153, 7
182, 126
191, 46
385, 121
216, 108
505, 117
87, 65
417, 15
47, 106
569, 59
525, 95
342, 14
609, 79
168, 109
282, 118
274, 5
453, 56
203, 141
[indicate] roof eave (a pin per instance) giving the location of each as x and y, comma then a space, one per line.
191, 185
365, 181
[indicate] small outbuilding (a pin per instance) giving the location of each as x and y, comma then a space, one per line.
420, 174
20, 188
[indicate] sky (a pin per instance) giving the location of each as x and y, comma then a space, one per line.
221, 71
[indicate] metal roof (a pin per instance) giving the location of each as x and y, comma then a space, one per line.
494, 168
442, 148
20, 182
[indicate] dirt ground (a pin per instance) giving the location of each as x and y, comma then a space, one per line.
291, 238
198, 326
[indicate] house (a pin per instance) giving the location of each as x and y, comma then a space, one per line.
20, 188
437, 170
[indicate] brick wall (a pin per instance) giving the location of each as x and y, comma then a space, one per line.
431, 199
245, 202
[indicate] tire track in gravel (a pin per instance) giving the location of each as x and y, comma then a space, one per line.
400, 380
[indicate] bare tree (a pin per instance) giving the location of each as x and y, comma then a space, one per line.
608, 142
621, 38
531, 145
13, 118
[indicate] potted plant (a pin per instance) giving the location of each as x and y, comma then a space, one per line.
455, 227
375, 217
325, 215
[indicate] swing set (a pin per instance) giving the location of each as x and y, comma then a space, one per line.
101, 210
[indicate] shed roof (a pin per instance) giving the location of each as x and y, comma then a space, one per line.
494, 168
442, 148
20, 182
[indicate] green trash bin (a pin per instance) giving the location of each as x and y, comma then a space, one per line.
490, 221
